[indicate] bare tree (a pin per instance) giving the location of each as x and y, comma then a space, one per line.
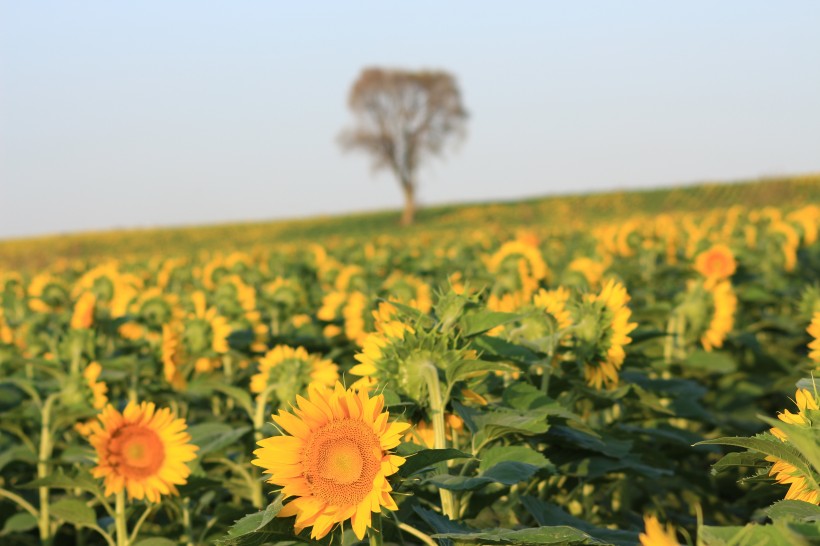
402, 118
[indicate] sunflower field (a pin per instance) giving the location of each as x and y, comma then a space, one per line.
610, 369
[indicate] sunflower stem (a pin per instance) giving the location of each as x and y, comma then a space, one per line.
76, 354
119, 519
136, 530
46, 447
418, 534
430, 373
257, 493
375, 531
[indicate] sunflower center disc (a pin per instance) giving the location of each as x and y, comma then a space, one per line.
137, 450
341, 460
343, 464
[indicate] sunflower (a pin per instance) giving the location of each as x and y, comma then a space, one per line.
387, 322
83, 315
814, 332
724, 303
609, 333
98, 388
286, 369
46, 293
99, 398
785, 473
6, 333
591, 270
206, 333
332, 304
334, 459
554, 302
355, 313
171, 351
656, 535
716, 263
141, 450
410, 290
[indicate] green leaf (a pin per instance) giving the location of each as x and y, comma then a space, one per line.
505, 473
768, 444
60, 480
19, 523
427, 457
156, 541
537, 535
778, 534
198, 484
714, 362
466, 369
611, 447
525, 397
520, 453
497, 347
546, 513
738, 458
261, 528
74, 511
215, 436
805, 439
482, 321
795, 510
240, 396
503, 421
10, 397
440, 523
17, 453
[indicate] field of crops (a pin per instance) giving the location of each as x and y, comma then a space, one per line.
607, 369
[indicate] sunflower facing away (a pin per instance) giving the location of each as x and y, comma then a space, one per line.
724, 302
603, 371
334, 458
142, 450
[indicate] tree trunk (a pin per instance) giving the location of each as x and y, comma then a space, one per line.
409, 213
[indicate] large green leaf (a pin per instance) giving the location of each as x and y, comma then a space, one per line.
780, 533
794, 509
805, 439
768, 444
60, 480
499, 422
461, 370
517, 453
74, 511
714, 362
546, 513
260, 528
479, 322
425, 458
505, 473
215, 436
500, 349
156, 541
19, 523
563, 535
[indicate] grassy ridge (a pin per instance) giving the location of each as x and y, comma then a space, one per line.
560, 212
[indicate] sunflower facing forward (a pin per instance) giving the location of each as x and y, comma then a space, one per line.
334, 459
142, 450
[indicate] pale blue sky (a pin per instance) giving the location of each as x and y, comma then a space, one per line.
124, 114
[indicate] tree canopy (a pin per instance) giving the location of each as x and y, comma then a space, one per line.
403, 118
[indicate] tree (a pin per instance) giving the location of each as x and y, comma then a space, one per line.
402, 118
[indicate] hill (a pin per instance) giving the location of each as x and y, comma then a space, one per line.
561, 212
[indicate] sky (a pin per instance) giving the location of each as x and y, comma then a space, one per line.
154, 113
